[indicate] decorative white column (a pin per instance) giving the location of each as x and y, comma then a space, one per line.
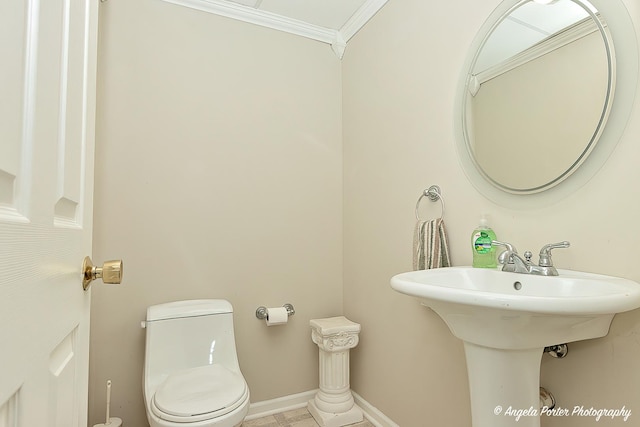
333, 405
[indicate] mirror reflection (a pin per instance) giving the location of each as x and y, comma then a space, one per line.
539, 92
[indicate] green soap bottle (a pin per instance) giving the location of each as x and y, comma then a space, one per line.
484, 254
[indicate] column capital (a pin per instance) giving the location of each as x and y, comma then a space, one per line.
340, 341
335, 333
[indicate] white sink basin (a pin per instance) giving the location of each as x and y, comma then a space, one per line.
572, 292
513, 311
506, 320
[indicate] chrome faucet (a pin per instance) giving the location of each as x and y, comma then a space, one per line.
511, 261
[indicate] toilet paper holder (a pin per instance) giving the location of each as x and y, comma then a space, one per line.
261, 312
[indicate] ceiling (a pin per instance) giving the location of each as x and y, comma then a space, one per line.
329, 21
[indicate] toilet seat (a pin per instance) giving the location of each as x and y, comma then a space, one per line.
199, 394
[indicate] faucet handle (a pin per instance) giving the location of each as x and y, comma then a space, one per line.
506, 257
545, 253
509, 246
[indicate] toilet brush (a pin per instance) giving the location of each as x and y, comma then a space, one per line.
111, 421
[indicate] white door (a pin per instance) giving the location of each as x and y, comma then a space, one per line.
47, 109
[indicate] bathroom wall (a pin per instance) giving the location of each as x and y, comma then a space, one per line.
218, 175
400, 75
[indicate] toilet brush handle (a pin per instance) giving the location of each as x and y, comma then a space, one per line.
108, 400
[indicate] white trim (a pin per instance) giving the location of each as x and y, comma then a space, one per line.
299, 400
339, 45
361, 17
336, 38
260, 17
373, 414
573, 33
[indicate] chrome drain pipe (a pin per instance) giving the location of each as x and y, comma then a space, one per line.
546, 399
558, 350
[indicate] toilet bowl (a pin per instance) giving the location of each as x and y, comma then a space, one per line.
191, 374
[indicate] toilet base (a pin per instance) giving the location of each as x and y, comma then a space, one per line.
328, 419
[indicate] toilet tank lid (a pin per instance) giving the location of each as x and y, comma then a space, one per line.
189, 308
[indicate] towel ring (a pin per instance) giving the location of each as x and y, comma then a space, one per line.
434, 194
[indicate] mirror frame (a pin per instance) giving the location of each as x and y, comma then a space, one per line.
625, 45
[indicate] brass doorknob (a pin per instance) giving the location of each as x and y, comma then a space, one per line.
110, 272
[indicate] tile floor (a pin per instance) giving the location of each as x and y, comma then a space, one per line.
295, 418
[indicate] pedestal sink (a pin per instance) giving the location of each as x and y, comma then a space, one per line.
506, 320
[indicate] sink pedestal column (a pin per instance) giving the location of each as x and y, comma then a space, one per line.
502, 384
333, 405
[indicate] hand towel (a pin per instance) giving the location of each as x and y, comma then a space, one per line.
430, 245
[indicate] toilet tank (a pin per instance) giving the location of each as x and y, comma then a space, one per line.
188, 334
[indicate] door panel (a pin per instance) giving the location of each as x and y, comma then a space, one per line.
68, 191
17, 62
47, 109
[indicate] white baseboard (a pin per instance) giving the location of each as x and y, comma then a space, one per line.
299, 400
373, 414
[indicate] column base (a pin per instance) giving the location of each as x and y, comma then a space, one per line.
328, 419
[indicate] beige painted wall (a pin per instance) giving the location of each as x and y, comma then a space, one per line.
218, 175
400, 76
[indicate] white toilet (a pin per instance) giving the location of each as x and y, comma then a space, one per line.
191, 372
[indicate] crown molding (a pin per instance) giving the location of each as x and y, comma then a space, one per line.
571, 34
361, 17
336, 38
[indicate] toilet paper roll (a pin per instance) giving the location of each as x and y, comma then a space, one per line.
277, 316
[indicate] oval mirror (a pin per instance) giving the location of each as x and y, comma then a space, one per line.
537, 96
